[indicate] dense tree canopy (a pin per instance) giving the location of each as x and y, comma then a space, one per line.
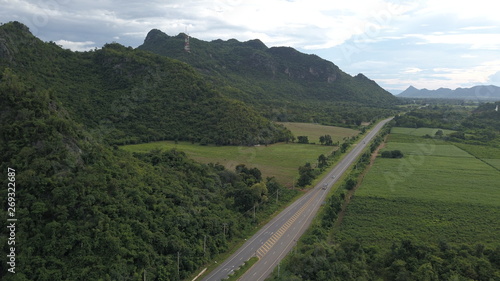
476, 126
87, 211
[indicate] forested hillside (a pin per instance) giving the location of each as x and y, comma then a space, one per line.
130, 96
284, 84
86, 211
473, 126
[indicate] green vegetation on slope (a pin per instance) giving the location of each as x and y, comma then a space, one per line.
131, 96
87, 211
282, 83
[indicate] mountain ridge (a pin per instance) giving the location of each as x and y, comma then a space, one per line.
479, 92
275, 78
257, 51
129, 95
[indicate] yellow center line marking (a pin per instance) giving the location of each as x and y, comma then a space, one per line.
262, 251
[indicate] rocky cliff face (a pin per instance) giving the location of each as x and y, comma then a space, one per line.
251, 56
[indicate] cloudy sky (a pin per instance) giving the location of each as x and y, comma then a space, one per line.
398, 43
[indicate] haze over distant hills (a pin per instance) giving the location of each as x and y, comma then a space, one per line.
482, 93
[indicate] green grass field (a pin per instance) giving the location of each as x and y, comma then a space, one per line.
437, 191
493, 162
280, 160
314, 131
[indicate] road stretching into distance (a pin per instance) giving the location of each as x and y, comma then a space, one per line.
273, 242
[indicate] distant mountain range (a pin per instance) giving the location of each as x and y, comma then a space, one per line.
482, 92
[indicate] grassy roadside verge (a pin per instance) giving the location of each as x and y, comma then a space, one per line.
240, 271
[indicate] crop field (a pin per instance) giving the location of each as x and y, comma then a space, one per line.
436, 192
279, 160
482, 152
493, 162
314, 131
489, 155
383, 221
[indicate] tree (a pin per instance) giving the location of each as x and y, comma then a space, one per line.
322, 161
272, 185
328, 140
322, 139
306, 175
392, 154
303, 139
397, 154
344, 147
350, 184
386, 154
249, 176
259, 192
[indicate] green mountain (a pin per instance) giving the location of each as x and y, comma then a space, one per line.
130, 96
88, 211
281, 82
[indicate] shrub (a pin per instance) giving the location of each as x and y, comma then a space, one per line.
392, 154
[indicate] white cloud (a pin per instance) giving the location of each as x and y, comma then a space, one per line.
486, 41
484, 73
76, 46
477, 74
412, 70
397, 42
479, 27
494, 78
468, 56
484, 9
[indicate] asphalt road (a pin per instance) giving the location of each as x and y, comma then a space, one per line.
277, 238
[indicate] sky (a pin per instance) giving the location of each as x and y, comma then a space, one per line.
427, 44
